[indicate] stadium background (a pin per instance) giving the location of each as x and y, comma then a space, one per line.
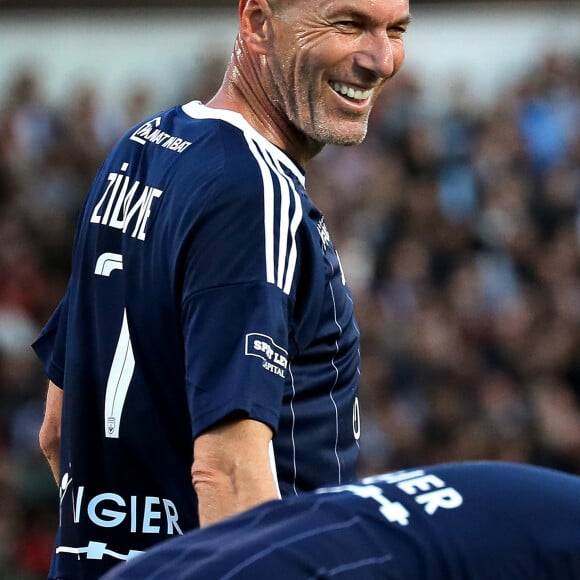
458, 222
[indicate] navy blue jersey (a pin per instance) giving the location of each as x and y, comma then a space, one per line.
204, 283
472, 521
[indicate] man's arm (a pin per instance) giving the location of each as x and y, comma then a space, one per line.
232, 469
49, 436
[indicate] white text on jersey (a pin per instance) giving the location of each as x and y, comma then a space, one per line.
124, 203
147, 515
149, 132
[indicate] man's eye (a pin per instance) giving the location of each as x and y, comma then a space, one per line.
397, 31
347, 24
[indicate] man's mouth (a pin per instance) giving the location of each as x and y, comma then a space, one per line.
350, 92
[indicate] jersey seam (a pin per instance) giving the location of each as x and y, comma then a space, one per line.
191, 295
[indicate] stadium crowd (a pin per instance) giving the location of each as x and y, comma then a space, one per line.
459, 231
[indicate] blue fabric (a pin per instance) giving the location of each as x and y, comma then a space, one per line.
204, 283
472, 521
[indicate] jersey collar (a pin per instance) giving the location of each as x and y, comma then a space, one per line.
197, 110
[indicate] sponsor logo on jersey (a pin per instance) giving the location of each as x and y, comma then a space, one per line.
274, 357
324, 235
150, 132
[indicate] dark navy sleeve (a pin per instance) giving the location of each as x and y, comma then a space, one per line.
238, 291
50, 346
225, 367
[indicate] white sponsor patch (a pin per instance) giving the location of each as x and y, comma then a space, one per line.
274, 357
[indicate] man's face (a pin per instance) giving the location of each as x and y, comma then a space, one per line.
329, 61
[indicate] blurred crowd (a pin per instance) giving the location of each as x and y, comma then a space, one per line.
458, 227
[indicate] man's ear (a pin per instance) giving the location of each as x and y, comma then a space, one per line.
254, 18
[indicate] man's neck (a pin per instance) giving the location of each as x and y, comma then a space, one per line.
243, 91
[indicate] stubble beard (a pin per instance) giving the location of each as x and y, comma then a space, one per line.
329, 126
328, 132
328, 135
311, 118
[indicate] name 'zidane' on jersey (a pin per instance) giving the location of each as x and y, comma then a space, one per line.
204, 282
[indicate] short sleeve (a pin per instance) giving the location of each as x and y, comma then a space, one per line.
236, 354
50, 346
238, 289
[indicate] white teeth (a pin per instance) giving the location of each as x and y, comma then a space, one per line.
351, 92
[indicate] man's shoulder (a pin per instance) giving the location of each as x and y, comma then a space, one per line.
176, 133
182, 152
198, 153
241, 141
203, 138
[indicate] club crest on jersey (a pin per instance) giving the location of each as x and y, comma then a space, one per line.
110, 425
149, 132
323, 233
274, 357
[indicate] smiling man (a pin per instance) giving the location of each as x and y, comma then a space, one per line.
205, 357
306, 74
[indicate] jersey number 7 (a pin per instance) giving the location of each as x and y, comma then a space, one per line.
123, 364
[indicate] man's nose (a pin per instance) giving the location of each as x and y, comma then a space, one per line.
377, 55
